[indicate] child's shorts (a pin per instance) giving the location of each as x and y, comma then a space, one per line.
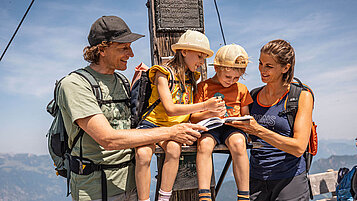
146, 125
221, 133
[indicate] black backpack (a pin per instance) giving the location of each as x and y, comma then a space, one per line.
57, 136
290, 112
140, 94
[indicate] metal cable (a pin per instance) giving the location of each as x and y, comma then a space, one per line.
229, 160
220, 24
16, 30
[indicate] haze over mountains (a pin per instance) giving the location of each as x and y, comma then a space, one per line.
32, 177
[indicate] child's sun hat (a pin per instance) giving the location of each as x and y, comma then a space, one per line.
193, 40
231, 56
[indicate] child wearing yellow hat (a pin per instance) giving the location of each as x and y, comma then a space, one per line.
175, 107
230, 64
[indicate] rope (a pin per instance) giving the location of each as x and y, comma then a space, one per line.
16, 30
220, 24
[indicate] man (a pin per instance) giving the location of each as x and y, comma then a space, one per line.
107, 141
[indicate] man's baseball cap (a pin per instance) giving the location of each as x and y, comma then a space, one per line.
111, 29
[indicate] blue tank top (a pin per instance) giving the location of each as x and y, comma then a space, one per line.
268, 162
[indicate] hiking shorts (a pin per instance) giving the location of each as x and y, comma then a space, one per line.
220, 134
146, 125
126, 196
289, 189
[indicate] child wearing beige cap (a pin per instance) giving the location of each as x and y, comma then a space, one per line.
230, 64
175, 107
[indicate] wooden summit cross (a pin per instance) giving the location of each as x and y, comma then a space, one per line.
168, 20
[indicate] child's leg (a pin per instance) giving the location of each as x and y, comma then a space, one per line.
205, 146
169, 169
143, 157
236, 144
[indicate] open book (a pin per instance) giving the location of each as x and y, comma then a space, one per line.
215, 122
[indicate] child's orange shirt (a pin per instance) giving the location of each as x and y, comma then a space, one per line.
235, 96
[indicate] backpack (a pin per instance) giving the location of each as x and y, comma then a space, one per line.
291, 110
57, 136
140, 95
346, 184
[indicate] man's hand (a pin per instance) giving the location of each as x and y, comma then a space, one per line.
186, 133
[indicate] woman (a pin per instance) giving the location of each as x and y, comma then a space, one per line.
278, 169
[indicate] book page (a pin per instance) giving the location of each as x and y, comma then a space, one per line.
243, 118
211, 123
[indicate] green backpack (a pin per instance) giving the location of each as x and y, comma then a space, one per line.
57, 136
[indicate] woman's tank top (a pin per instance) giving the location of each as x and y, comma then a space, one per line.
268, 162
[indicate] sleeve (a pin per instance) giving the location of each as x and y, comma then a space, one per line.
246, 98
199, 96
76, 98
153, 70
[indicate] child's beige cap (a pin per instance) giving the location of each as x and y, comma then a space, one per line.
193, 40
231, 56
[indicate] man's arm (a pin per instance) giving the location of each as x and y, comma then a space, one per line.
100, 130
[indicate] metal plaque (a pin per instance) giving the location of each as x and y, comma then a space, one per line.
178, 15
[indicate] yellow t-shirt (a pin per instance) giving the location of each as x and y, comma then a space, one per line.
159, 116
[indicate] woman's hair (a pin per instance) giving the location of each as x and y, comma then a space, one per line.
91, 53
241, 71
177, 64
283, 53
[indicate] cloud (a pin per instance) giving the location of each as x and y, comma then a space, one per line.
334, 114
47, 53
339, 75
49, 45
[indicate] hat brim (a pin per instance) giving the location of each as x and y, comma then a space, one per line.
230, 66
178, 46
128, 38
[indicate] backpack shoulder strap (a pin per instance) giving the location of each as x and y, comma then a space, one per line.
125, 82
292, 103
150, 108
97, 93
171, 78
92, 81
254, 93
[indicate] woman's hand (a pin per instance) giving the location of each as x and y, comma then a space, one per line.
216, 105
249, 126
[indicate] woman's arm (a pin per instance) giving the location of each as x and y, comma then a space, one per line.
172, 109
302, 129
98, 127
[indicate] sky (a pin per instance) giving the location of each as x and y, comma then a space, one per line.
50, 42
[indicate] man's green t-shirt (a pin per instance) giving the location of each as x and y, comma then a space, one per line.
76, 100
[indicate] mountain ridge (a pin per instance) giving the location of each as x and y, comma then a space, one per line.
33, 177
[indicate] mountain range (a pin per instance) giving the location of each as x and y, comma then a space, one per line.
32, 177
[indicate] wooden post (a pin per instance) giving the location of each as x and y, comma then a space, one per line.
168, 20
